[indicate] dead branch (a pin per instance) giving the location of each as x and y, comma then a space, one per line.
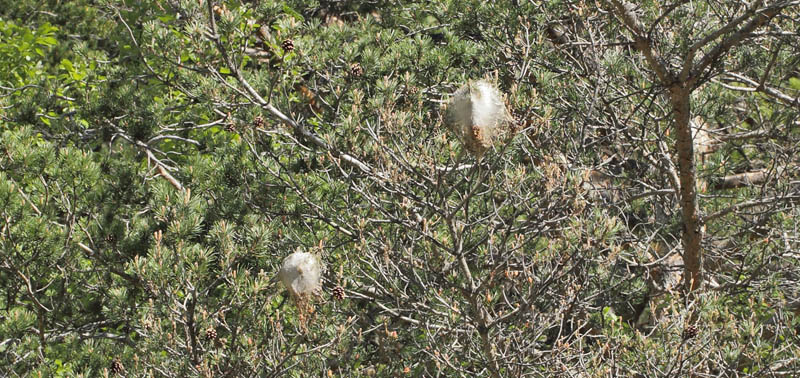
740, 180
759, 87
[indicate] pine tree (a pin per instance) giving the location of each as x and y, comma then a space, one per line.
160, 160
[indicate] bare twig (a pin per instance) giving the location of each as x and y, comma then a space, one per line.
748, 204
758, 18
760, 87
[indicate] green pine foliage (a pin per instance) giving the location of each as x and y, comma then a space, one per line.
160, 159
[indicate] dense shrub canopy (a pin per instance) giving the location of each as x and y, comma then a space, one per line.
160, 159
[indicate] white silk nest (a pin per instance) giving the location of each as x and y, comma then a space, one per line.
301, 274
477, 115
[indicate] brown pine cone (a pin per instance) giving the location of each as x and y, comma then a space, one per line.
287, 45
116, 366
259, 122
690, 332
356, 70
338, 293
211, 333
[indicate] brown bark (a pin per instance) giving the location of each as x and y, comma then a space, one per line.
680, 94
680, 89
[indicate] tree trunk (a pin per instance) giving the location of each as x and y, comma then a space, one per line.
680, 94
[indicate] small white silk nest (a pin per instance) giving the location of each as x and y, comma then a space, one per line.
301, 273
477, 114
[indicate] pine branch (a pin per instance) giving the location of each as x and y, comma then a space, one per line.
758, 18
258, 99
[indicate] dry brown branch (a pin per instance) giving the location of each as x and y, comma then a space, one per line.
740, 180
163, 172
755, 86
625, 11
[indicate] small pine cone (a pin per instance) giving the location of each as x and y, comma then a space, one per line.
231, 178
356, 70
116, 366
219, 10
230, 127
690, 332
287, 45
258, 122
211, 333
556, 34
338, 293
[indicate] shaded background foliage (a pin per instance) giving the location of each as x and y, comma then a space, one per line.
159, 159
